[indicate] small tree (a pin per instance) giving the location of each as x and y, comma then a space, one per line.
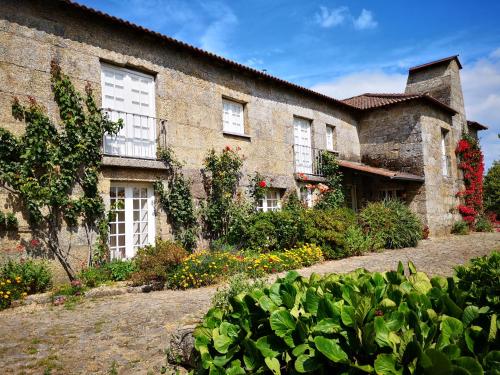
53, 170
492, 189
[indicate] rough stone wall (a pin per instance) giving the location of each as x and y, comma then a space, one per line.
391, 138
189, 93
441, 201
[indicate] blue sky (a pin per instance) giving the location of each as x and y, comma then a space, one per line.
342, 48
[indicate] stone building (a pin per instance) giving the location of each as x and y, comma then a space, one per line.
172, 94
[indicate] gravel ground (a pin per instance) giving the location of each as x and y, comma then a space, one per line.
129, 332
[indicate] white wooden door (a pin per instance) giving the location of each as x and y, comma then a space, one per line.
302, 147
130, 96
132, 225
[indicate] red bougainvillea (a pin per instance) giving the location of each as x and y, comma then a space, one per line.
472, 165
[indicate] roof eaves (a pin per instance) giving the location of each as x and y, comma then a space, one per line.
205, 54
436, 62
476, 125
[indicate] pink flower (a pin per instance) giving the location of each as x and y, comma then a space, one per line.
34, 242
262, 184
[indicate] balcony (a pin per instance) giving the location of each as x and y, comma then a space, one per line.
309, 160
137, 138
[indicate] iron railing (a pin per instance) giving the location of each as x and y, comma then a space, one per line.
309, 160
136, 139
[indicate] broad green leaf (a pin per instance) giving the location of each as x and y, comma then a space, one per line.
452, 351
267, 345
401, 268
305, 363
291, 276
214, 370
301, 349
274, 365
267, 304
282, 322
252, 355
382, 333
387, 303
385, 364
492, 362
330, 349
274, 294
493, 328
451, 328
229, 329
221, 343
328, 325
436, 363
312, 301
235, 368
365, 368
412, 268
348, 316
470, 313
470, 364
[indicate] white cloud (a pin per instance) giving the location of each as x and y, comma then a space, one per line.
215, 37
330, 18
254, 62
365, 21
362, 82
481, 85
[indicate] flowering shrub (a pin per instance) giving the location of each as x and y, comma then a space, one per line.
11, 289
472, 165
35, 275
206, 268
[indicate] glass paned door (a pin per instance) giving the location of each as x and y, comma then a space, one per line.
132, 225
302, 146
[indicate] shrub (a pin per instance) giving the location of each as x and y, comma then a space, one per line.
483, 224
356, 242
94, 276
480, 281
239, 283
205, 268
361, 322
153, 263
492, 188
460, 227
120, 270
11, 289
393, 221
35, 275
326, 228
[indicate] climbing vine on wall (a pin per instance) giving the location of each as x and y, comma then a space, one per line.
331, 193
176, 199
221, 176
258, 187
53, 170
472, 164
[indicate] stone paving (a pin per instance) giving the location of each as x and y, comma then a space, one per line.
127, 334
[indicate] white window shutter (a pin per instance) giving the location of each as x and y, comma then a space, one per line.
232, 117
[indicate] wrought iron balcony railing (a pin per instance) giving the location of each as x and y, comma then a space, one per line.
136, 139
309, 160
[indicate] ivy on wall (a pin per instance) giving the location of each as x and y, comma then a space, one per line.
176, 200
331, 193
471, 162
53, 170
221, 177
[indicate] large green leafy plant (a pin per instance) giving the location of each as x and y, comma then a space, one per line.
53, 170
358, 323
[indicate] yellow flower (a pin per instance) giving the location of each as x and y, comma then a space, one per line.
24, 294
8, 281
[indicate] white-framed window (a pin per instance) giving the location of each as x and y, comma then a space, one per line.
132, 223
445, 158
302, 145
390, 193
331, 142
307, 196
232, 117
271, 201
129, 95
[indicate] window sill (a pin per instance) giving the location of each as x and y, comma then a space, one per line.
237, 135
129, 162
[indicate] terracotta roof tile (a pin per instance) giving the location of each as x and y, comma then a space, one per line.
370, 101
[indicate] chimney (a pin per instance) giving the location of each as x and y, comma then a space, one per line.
441, 80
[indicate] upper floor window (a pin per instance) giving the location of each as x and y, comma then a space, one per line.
331, 138
445, 158
232, 117
129, 95
270, 202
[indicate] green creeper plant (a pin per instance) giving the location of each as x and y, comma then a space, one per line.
176, 199
221, 176
492, 189
53, 169
334, 196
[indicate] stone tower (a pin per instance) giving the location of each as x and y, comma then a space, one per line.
441, 80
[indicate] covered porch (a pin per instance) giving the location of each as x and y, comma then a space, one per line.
364, 183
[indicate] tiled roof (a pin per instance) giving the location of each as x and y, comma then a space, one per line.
118, 22
477, 125
393, 175
436, 62
370, 101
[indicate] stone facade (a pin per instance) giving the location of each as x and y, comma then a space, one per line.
189, 88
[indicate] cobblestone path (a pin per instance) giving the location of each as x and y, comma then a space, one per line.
129, 332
